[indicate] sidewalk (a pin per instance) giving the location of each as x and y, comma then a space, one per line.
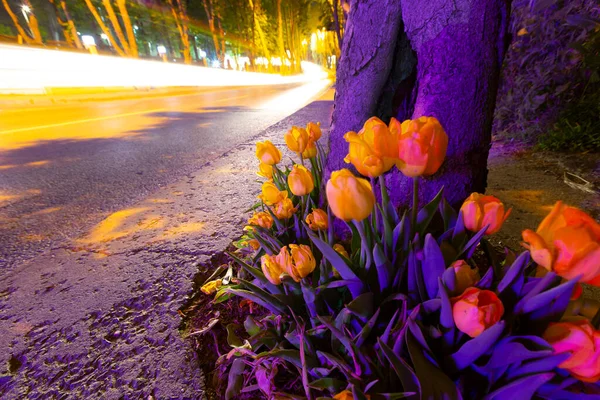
100, 318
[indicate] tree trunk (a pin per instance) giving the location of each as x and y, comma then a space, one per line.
105, 29
116, 26
15, 21
208, 8
67, 24
33, 23
261, 34
133, 49
336, 23
406, 60
181, 20
280, 45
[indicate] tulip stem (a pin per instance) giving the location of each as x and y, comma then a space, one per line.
385, 197
415, 205
365, 247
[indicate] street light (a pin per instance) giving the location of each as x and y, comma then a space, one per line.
25, 9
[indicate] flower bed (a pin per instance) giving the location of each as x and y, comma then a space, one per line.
402, 308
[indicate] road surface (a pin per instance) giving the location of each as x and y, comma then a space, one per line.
63, 168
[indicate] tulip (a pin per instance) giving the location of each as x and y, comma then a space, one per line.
262, 219
296, 139
310, 151
265, 170
314, 131
212, 286
422, 146
465, 275
271, 268
267, 153
341, 250
476, 310
283, 209
479, 210
372, 151
254, 244
344, 395
300, 181
568, 243
270, 194
578, 337
317, 220
349, 197
303, 262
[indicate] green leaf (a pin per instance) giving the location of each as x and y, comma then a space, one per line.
291, 356
404, 372
366, 330
232, 339
330, 384
478, 346
427, 213
256, 273
362, 306
338, 363
251, 326
524, 387
439, 385
433, 265
235, 380
333, 257
270, 303
545, 298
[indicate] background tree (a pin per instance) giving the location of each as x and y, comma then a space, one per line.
32, 35
403, 59
63, 17
123, 47
181, 20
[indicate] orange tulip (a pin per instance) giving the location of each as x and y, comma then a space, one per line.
422, 146
479, 210
300, 181
271, 268
372, 151
349, 197
262, 219
265, 170
267, 153
476, 310
317, 220
578, 337
283, 209
254, 244
296, 139
303, 262
314, 131
568, 243
310, 151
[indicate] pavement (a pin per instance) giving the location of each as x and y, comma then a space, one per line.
103, 224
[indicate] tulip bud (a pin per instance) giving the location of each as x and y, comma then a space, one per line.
344, 395
568, 243
479, 210
349, 197
303, 262
422, 147
578, 337
283, 209
317, 220
271, 268
254, 244
212, 286
271, 194
476, 310
465, 275
314, 131
265, 170
300, 181
262, 219
296, 139
310, 151
267, 153
341, 250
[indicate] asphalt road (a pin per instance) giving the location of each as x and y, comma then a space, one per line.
63, 168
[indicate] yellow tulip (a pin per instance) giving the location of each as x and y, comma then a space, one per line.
267, 153
271, 268
373, 150
314, 131
422, 147
341, 250
349, 197
296, 139
271, 194
310, 151
300, 181
317, 220
303, 262
212, 286
283, 209
262, 219
265, 170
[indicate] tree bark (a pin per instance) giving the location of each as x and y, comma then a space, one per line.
210, 15
33, 23
67, 24
133, 49
336, 22
407, 59
116, 26
181, 19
